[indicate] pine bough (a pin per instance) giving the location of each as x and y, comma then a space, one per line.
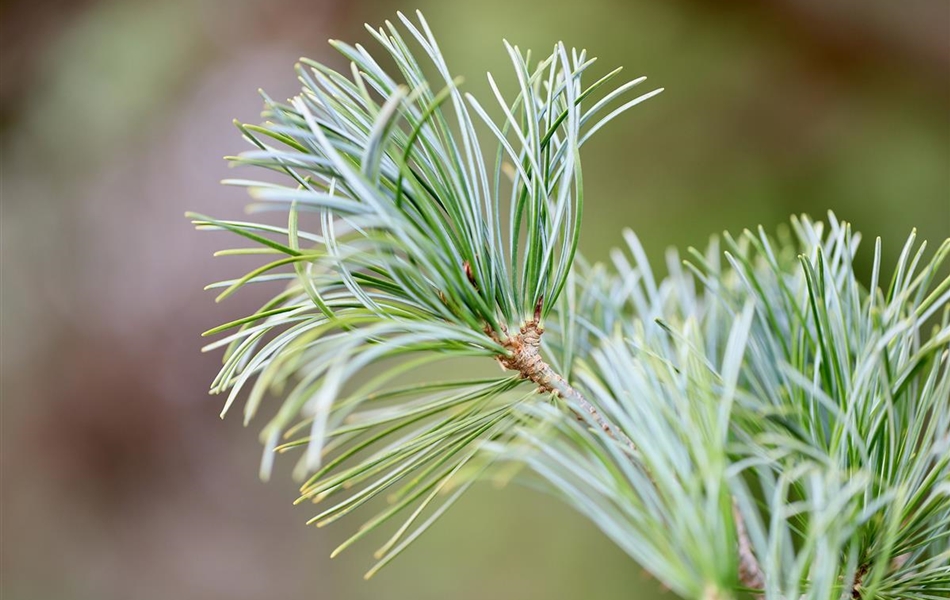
756, 421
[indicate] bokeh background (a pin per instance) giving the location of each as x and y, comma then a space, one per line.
118, 479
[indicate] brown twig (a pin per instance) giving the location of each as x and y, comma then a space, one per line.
525, 357
750, 573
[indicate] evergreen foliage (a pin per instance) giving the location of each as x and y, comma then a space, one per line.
756, 420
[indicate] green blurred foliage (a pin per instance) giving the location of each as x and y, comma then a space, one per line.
765, 113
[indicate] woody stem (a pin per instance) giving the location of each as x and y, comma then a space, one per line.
525, 358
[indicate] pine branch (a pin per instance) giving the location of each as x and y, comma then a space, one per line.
524, 357
758, 420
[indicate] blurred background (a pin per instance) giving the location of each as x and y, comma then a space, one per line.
118, 479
